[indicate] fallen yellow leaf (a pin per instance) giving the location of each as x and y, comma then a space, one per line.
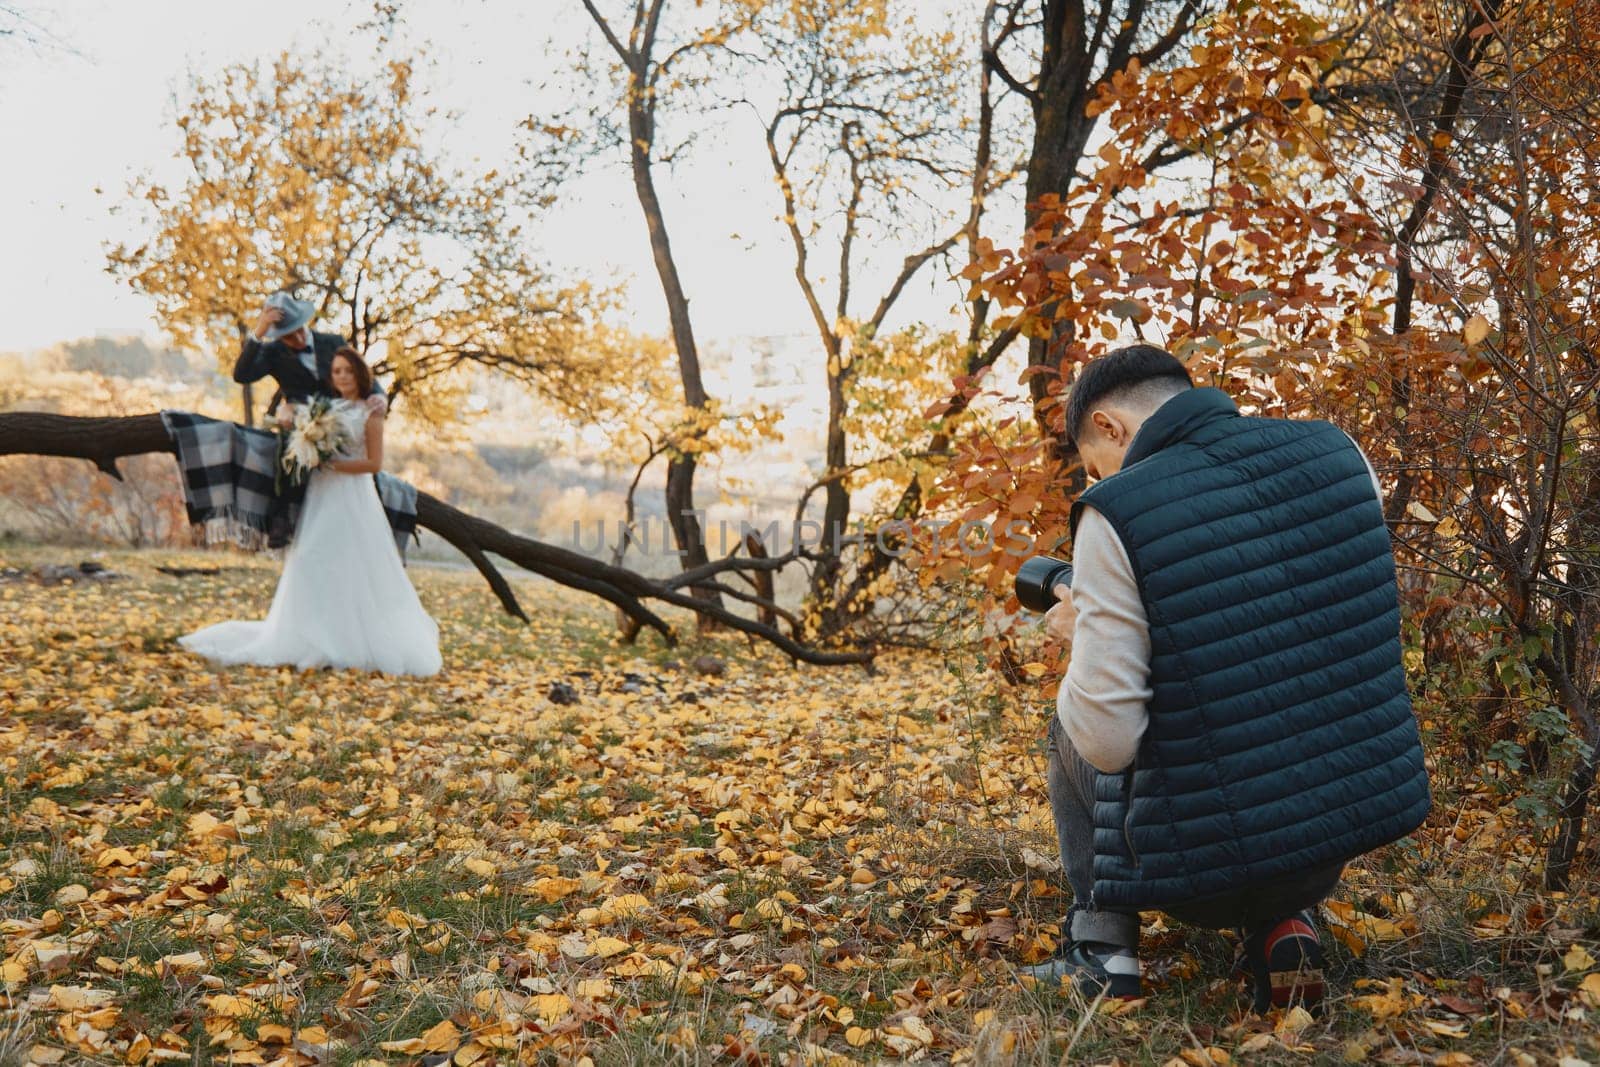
442, 1037
857, 1036
181, 963
78, 998
913, 1026
408, 1047
1295, 1020
404, 920
550, 1006
606, 947
551, 890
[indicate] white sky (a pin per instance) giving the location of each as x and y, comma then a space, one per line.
72, 123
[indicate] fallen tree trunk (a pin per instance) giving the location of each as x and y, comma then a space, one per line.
103, 441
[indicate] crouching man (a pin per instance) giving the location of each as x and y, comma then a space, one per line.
1234, 723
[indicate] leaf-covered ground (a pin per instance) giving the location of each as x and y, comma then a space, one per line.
771, 865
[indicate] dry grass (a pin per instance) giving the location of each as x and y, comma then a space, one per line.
773, 866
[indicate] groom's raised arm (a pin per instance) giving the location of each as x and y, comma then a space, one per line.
252, 364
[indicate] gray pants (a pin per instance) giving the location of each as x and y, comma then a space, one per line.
1071, 780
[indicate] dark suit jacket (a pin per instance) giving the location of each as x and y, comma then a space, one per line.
278, 360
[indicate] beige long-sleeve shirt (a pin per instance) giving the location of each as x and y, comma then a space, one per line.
1103, 700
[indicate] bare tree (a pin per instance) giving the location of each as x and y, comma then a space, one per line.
649, 66
870, 139
18, 26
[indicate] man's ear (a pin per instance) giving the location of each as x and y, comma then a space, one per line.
1110, 427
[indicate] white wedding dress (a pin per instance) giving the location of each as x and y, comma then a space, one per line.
344, 599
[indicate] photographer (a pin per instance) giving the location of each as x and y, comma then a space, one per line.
1234, 723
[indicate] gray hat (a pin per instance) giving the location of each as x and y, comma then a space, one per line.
296, 314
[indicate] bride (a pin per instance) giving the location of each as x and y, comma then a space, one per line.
344, 599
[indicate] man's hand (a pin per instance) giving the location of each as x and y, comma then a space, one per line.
377, 404
1063, 617
268, 318
286, 415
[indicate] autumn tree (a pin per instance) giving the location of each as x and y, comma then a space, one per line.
659, 60
1475, 134
1054, 57
1058, 55
1398, 233
874, 139
307, 177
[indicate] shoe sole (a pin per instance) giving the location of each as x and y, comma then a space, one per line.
1115, 989
1307, 986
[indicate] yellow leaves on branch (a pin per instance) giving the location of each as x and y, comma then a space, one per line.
300, 170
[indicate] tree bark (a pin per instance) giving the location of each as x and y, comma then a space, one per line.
247, 390
683, 340
1465, 52
761, 580
1076, 40
638, 58
1060, 132
103, 441
1569, 826
681, 513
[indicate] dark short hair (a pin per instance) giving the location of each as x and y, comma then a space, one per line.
357, 364
1118, 371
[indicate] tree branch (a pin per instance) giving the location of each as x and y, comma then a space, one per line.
610, 36
104, 440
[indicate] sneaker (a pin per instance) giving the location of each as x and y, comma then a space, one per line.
1283, 964
1093, 967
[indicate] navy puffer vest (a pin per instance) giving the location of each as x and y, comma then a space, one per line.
1281, 736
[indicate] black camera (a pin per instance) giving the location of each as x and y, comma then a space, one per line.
1037, 579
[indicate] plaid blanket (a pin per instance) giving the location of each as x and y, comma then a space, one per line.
228, 478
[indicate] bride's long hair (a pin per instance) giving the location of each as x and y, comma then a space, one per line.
357, 364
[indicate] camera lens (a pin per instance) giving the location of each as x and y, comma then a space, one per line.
1036, 581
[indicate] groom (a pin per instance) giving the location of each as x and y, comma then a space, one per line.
282, 345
